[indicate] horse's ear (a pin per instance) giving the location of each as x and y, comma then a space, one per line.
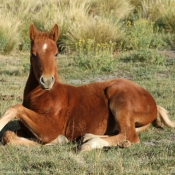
54, 33
33, 32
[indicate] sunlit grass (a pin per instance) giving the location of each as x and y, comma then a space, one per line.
102, 40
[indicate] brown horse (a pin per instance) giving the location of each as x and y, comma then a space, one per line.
112, 111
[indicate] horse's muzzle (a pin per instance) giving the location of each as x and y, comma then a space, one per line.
46, 82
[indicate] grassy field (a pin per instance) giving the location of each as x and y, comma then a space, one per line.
154, 155
133, 39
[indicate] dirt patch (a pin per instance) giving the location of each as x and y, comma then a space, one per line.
10, 97
170, 54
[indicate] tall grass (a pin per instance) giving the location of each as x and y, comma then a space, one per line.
101, 20
162, 12
101, 30
9, 33
113, 8
78, 23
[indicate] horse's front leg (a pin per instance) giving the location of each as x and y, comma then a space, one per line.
44, 128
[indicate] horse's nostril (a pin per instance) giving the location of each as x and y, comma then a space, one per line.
53, 79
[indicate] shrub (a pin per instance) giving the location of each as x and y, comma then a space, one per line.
99, 30
138, 35
144, 55
95, 57
142, 35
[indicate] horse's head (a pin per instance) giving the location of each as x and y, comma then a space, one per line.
43, 55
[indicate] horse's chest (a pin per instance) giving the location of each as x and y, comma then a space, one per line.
43, 104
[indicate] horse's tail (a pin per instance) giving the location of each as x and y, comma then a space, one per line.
163, 118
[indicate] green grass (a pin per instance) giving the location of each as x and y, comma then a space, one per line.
155, 153
116, 39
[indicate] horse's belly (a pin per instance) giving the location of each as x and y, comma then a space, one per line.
84, 121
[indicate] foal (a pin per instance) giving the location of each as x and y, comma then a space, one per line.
112, 111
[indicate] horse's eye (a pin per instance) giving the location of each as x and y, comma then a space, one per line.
56, 54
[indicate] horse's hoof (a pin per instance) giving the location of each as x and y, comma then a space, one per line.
124, 144
85, 147
8, 137
62, 139
87, 137
94, 143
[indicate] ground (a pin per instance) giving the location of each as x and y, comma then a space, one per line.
154, 154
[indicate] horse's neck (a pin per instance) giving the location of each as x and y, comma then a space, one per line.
31, 84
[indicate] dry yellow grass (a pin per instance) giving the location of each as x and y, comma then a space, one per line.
88, 19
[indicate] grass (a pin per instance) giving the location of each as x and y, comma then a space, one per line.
98, 41
155, 153
103, 22
140, 159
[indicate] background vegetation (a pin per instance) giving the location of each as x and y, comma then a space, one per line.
99, 40
101, 21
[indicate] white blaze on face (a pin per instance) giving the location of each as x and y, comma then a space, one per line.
44, 47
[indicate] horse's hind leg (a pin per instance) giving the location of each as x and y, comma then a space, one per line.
142, 128
125, 143
127, 131
126, 136
89, 136
124, 117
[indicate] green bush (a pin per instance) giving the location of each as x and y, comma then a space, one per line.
142, 35
144, 55
95, 57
